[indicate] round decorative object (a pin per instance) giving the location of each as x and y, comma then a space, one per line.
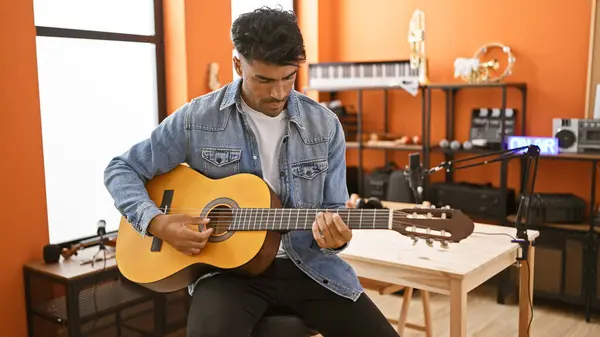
494, 64
477, 70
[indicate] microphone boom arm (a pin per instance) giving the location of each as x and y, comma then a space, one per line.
531, 154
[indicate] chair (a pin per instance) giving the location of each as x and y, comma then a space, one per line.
279, 322
384, 288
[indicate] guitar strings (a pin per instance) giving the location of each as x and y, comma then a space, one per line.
298, 211
220, 224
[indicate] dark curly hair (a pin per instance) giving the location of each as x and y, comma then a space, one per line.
269, 35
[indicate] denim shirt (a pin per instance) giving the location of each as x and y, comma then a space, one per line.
211, 134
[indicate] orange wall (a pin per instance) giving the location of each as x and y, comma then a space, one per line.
23, 221
549, 38
196, 34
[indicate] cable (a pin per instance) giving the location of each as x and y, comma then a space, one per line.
510, 236
529, 296
528, 279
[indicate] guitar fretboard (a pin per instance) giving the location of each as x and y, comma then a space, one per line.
302, 219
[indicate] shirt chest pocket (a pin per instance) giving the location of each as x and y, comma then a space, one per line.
219, 162
309, 181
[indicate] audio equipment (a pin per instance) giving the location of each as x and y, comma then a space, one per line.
531, 154
414, 175
101, 231
577, 135
490, 124
355, 75
248, 222
565, 208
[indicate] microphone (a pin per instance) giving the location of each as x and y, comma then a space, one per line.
414, 175
101, 228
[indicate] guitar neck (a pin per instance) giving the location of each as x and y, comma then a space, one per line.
284, 219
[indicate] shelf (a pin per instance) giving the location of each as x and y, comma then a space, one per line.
569, 156
519, 85
106, 298
573, 156
580, 227
351, 88
472, 151
354, 145
443, 86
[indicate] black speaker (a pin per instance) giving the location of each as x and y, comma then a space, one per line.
51, 253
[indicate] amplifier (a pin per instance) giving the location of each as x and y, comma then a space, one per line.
565, 208
473, 199
577, 135
354, 75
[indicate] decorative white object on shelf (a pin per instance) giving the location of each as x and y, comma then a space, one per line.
474, 70
213, 76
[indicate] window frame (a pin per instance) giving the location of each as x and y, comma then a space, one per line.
157, 39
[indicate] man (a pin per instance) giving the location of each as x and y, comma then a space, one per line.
261, 125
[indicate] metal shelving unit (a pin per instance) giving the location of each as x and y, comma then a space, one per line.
359, 144
558, 234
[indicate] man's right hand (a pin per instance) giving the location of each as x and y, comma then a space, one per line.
173, 228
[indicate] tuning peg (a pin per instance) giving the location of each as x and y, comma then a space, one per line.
415, 240
429, 242
444, 244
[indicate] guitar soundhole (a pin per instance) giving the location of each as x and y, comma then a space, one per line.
220, 219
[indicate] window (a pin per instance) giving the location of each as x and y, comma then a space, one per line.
100, 69
239, 7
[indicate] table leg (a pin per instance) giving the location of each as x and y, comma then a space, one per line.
404, 311
73, 319
526, 292
458, 309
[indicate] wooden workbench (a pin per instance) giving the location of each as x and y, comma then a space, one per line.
388, 256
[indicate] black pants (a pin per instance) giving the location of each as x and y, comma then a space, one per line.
226, 305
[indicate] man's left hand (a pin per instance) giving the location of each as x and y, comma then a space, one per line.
330, 231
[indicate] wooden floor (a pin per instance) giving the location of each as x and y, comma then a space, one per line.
487, 318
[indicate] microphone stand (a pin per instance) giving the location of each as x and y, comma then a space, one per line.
531, 154
101, 247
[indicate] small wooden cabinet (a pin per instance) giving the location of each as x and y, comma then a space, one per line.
75, 298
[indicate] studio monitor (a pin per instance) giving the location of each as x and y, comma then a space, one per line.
566, 130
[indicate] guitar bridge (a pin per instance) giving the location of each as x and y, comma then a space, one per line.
165, 205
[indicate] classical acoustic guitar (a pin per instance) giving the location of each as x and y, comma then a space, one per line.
248, 221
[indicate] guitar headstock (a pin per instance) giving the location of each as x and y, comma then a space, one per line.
432, 224
426, 222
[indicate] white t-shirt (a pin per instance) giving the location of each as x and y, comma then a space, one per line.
269, 132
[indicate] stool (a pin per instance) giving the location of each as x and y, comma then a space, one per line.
385, 288
279, 322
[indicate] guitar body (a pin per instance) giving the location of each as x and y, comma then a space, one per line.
156, 265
